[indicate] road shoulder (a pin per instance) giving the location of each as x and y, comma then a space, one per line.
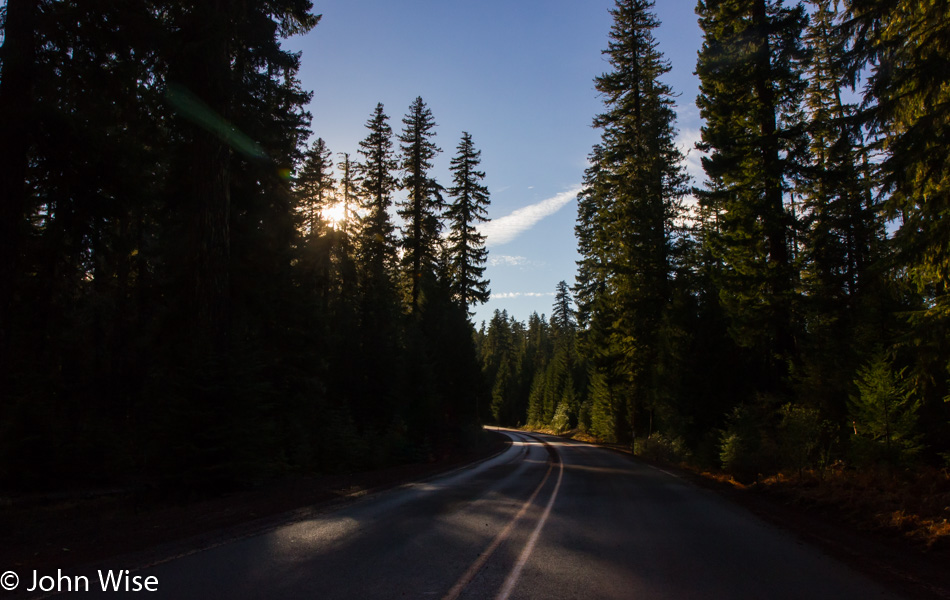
907, 569
84, 530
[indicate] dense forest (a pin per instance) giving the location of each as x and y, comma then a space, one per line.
198, 292
789, 311
195, 294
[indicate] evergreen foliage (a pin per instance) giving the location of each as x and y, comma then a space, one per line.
563, 319
499, 353
314, 187
536, 371
377, 242
380, 328
741, 333
751, 84
422, 209
466, 246
177, 309
626, 216
884, 413
842, 233
902, 47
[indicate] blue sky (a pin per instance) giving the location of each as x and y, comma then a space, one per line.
518, 76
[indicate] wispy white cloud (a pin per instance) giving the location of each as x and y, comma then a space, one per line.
519, 262
687, 114
505, 229
507, 261
686, 142
509, 295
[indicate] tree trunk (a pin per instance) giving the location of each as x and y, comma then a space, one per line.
206, 73
18, 55
776, 228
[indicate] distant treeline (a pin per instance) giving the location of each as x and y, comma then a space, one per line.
192, 295
790, 311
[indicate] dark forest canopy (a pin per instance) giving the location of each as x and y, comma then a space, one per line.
198, 291
794, 310
179, 306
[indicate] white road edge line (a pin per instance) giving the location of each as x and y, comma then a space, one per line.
664, 471
515, 574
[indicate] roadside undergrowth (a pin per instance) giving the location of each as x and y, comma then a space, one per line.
913, 503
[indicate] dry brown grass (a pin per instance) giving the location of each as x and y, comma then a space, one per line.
914, 504
719, 476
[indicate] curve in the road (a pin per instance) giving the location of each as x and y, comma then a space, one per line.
512, 578
510, 528
503, 535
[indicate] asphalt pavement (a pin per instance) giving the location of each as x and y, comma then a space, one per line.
545, 519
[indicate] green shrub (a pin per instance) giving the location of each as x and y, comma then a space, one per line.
602, 420
884, 414
805, 439
660, 447
562, 420
747, 447
584, 417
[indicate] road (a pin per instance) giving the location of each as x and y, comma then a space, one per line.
545, 519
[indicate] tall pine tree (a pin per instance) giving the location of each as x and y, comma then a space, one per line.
315, 185
466, 246
422, 209
377, 243
626, 214
843, 235
904, 46
751, 86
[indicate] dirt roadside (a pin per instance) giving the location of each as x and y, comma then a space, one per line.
908, 569
72, 532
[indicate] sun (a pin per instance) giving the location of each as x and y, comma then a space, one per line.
334, 215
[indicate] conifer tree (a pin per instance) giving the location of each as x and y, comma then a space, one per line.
17, 74
843, 236
342, 236
591, 245
562, 315
314, 187
906, 43
500, 364
203, 75
252, 126
422, 209
466, 246
539, 348
750, 71
379, 325
559, 393
148, 218
627, 210
377, 244
76, 213
904, 46
844, 230
884, 412
348, 196
315, 190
